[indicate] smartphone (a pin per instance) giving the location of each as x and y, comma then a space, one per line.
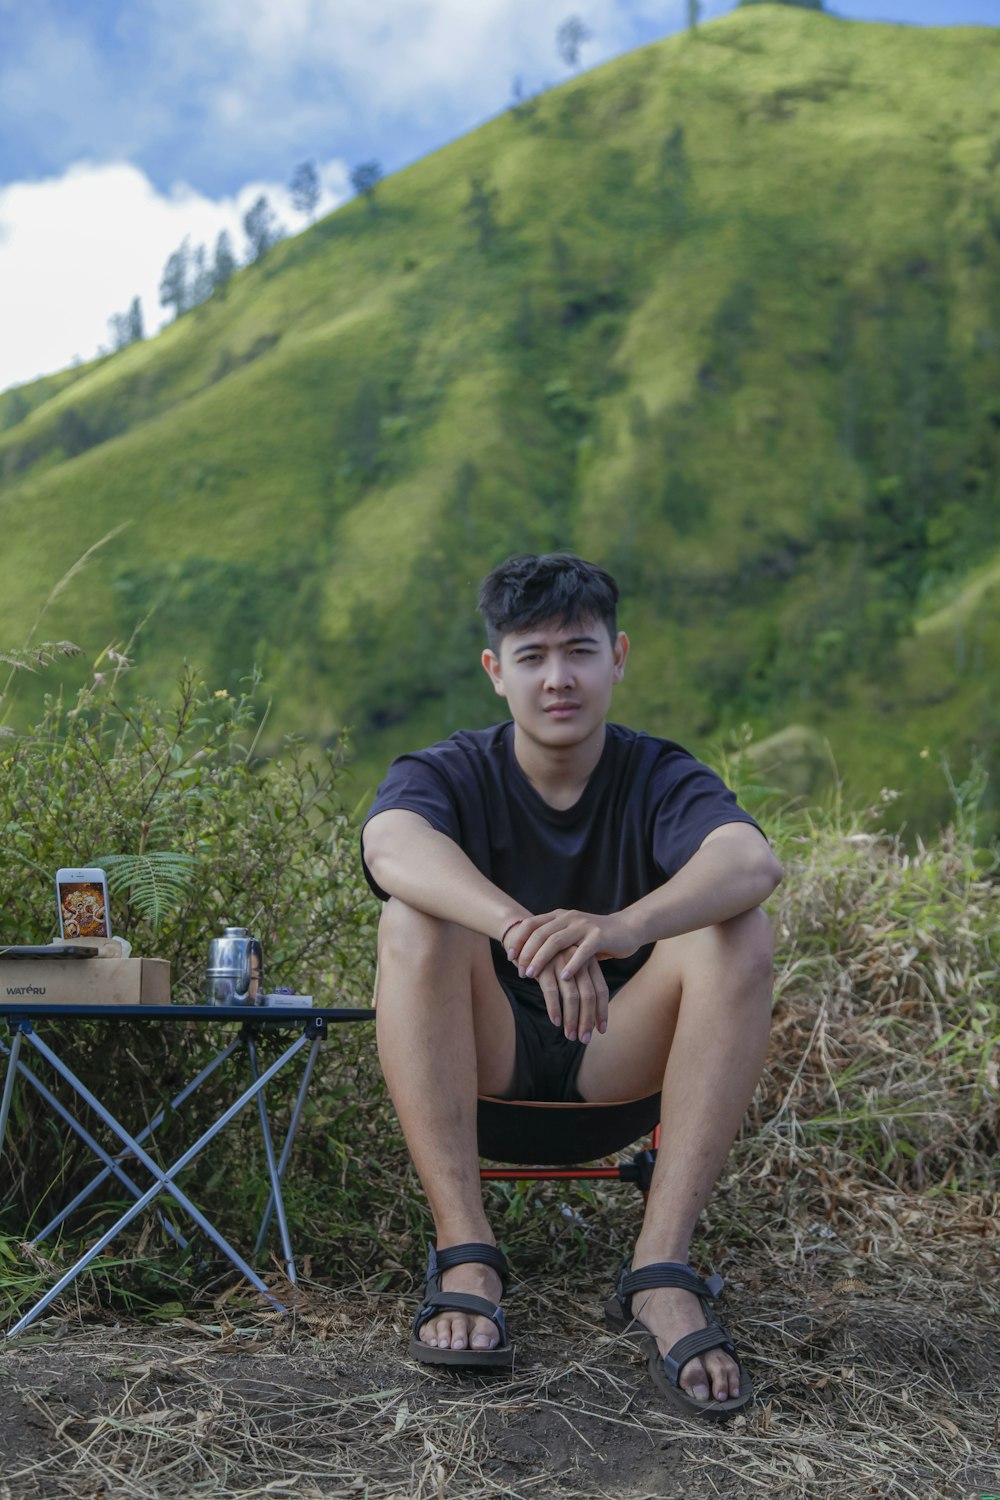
82, 899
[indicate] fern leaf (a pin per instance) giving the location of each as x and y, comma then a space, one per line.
155, 882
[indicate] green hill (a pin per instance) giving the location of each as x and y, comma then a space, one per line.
723, 314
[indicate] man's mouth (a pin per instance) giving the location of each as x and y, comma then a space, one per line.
561, 710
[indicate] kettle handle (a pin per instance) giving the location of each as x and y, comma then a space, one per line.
251, 950
243, 981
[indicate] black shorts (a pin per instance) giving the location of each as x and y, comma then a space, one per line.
545, 1072
546, 1061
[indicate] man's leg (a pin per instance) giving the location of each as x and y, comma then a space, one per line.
694, 1021
445, 1034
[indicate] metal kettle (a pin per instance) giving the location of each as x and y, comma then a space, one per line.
234, 974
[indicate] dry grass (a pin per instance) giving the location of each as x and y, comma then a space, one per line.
886, 1045
873, 1376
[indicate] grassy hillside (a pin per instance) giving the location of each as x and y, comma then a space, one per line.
722, 314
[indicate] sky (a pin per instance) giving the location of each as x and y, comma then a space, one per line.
126, 125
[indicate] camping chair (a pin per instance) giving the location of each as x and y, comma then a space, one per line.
525, 1133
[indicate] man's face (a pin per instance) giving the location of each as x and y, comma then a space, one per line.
558, 679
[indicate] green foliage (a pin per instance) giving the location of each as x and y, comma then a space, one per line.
271, 845
155, 881
202, 834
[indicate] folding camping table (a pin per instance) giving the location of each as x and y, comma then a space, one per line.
25, 1020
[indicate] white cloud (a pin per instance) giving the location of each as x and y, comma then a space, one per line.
75, 249
214, 91
219, 91
363, 65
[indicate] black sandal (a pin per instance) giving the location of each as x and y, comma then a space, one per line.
435, 1301
666, 1368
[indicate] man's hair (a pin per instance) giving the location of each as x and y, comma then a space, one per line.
526, 591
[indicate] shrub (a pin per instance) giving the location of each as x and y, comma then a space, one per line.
267, 844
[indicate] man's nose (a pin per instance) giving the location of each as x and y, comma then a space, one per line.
559, 673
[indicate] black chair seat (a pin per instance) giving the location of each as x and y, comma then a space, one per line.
537, 1133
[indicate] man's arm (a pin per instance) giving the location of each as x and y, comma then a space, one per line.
430, 872
732, 871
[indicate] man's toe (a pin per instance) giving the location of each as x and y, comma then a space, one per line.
459, 1332
724, 1375
695, 1381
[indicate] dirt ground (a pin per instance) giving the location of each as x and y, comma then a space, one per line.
861, 1392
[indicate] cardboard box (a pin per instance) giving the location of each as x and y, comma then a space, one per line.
86, 981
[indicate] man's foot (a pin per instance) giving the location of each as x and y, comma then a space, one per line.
460, 1330
666, 1308
459, 1321
669, 1314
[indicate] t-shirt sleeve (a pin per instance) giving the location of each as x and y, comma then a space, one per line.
414, 784
689, 802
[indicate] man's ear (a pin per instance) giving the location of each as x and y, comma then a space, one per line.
619, 652
491, 665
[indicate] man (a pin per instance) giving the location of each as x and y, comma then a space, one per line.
532, 873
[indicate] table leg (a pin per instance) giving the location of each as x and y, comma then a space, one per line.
8, 1083
163, 1181
290, 1134
272, 1166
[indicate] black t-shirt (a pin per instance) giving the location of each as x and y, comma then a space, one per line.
645, 810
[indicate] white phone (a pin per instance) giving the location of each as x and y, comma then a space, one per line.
82, 899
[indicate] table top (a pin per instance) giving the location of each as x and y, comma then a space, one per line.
255, 1014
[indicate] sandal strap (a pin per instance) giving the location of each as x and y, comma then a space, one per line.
665, 1273
460, 1302
473, 1253
699, 1342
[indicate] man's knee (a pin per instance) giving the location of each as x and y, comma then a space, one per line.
411, 937
739, 950
748, 945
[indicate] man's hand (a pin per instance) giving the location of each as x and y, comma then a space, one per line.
536, 943
579, 1004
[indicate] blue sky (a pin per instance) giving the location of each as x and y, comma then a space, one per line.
142, 122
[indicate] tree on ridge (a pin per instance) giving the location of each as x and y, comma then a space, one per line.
223, 263
305, 190
570, 37
365, 178
175, 288
127, 327
261, 228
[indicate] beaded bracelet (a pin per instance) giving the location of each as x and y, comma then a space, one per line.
512, 923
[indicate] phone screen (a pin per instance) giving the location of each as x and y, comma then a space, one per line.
82, 905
